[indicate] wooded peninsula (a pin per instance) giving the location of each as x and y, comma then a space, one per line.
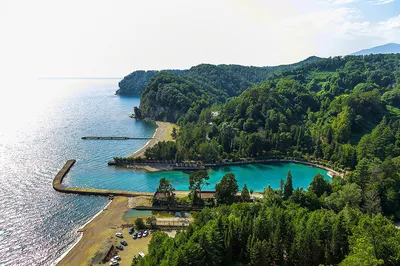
342, 110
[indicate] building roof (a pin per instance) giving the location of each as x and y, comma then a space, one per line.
207, 195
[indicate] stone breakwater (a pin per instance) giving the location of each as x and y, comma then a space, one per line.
57, 185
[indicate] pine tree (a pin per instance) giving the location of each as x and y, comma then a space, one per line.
281, 185
174, 134
288, 188
245, 195
319, 186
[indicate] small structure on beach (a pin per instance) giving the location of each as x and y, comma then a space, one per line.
102, 254
207, 195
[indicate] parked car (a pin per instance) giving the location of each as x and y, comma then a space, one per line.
116, 258
131, 230
123, 242
135, 235
120, 247
114, 263
119, 235
145, 233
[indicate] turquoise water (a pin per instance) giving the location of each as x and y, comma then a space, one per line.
256, 177
42, 126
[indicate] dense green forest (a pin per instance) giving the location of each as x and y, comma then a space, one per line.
232, 78
331, 223
343, 111
133, 84
278, 232
168, 96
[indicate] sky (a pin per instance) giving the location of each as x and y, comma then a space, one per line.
98, 38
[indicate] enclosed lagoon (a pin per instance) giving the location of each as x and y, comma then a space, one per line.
256, 176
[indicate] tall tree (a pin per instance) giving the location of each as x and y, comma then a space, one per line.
197, 180
151, 221
165, 187
174, 134
372, 202
288, 188
244, 194
226, 189
319, 186
348, 195
281, 186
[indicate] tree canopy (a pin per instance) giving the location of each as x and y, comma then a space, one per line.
340, 111
226, 189
278, 234
196, 182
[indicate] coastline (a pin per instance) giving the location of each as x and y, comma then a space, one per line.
102, 226
80, 231
99, 232
94, 217
162, 133
75, 254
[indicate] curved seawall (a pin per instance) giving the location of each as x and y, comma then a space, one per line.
57, 185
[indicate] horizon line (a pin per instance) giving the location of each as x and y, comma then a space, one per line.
80, 78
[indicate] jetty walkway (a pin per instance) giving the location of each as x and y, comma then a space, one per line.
110, 138
57, 185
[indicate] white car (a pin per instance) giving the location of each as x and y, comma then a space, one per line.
116, 258
141, 254
118, 235
114, 263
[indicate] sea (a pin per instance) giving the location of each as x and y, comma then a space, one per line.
42, 127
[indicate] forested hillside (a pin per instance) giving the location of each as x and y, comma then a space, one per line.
329, 110
133, 84
230, 78
278, 232
343, 111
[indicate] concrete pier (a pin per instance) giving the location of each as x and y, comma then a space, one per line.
109, 138
57, 185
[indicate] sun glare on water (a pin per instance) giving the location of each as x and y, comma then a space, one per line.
24, 103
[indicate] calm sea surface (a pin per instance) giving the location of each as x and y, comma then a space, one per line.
41, 128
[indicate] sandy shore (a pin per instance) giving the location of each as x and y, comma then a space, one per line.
162, 133
100, 232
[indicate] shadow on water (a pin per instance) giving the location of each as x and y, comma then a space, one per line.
247, 166
188, 172
262, 167
226, 169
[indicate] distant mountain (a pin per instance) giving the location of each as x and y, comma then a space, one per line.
390, 48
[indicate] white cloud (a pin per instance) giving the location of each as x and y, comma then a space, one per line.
371, 2
381, 2
342, 2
